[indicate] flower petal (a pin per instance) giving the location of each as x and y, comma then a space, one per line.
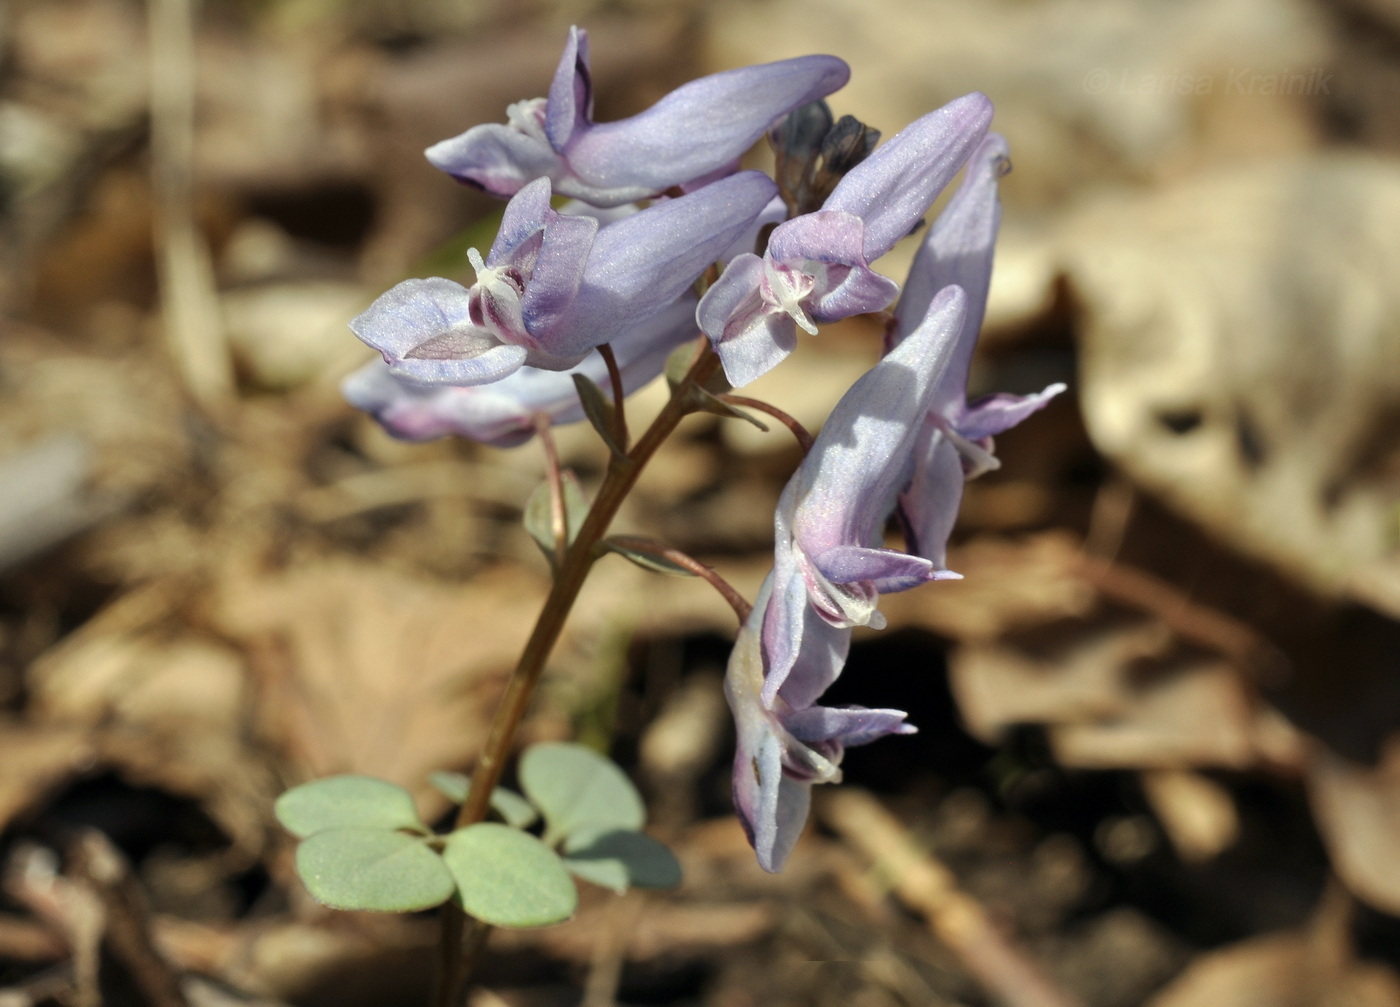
771, 804
821, 654
847, 726
643, 262
889, 570
929, 507
695, 129
846, 487
848, 484
491, 365
502, 413
830, 246
958, 249
750, 336
996, 414
494, 157
559, 270
414, 412
571, 93
410, 314
423, 331
525, 216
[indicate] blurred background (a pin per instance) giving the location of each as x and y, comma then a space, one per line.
1160, 718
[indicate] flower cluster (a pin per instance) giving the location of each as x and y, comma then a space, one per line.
903, 440
659, 201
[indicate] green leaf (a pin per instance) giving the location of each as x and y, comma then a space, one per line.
509, 878
539, 520
618, 859
517, 812
599, 412
347, 802
453, 786
646, 553
577, 789
374, 870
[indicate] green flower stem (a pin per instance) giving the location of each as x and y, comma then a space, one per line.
621, 476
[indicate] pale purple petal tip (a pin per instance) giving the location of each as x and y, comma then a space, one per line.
895, 186
998, 413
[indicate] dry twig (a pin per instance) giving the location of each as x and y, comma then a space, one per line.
925, 884
189, 300
98, 864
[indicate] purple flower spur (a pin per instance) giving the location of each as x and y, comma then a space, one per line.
694, 134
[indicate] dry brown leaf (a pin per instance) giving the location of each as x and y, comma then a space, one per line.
1197, 813
1069, 673
360, 669
185, 684
36, 760
1280, 970
1198, 714
1252, 388
1007, 583
1358, 812
1117, 694
1084, 91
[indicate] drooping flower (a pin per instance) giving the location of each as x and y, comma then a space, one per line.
692, 134
955, 444
556, 286
817, 266
503, 413
829, 526
786, 745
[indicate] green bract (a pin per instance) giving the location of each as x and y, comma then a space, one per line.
600, 413
373, 870
509, 878
539, 515
578, 789
343, 802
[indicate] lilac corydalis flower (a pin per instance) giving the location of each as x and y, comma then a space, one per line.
829, 526
693, 133
503, 413
554, 286
955, 443
817, 266
787, 744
